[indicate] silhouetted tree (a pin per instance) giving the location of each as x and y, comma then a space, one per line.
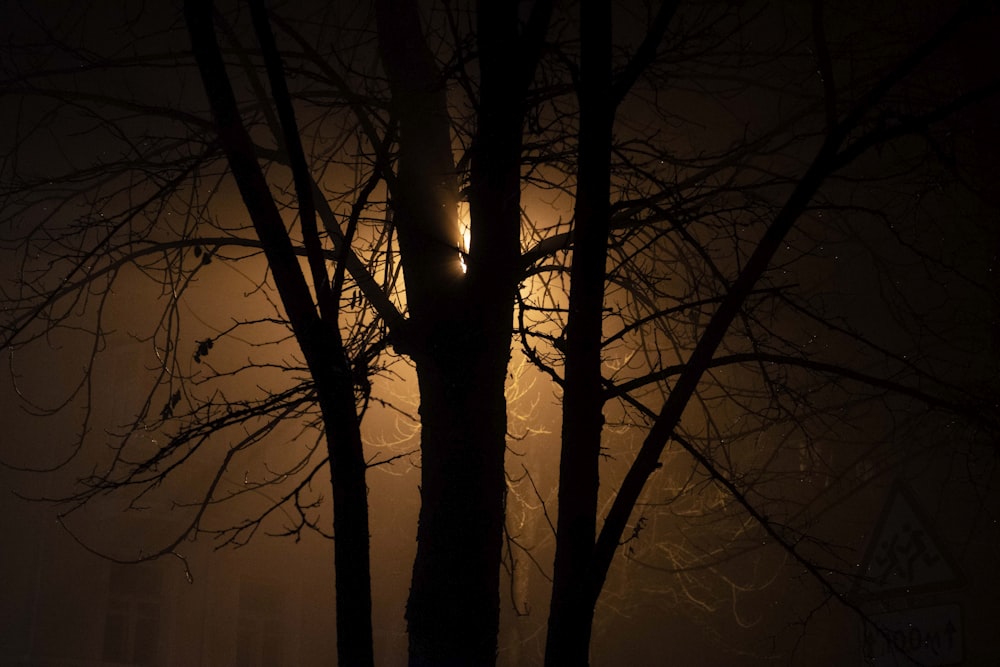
649, 187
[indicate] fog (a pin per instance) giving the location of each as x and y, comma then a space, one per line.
699, 585
166, 491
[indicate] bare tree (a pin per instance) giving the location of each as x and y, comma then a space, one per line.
649, 187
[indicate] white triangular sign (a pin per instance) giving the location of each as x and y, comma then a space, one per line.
905, 557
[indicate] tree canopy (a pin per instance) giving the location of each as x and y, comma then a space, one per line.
744, 250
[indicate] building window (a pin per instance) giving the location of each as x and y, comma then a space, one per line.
133, 621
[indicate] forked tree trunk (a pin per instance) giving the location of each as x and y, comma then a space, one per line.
459, 332
319, 341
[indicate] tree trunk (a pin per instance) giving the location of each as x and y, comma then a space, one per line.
459, 332
351, 545
453, 611
319, 341
571, 609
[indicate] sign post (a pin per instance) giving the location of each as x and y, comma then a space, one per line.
905, 559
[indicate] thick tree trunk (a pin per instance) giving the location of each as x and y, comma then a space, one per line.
454, 606
459, 333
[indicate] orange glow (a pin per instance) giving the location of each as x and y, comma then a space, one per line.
465, 234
